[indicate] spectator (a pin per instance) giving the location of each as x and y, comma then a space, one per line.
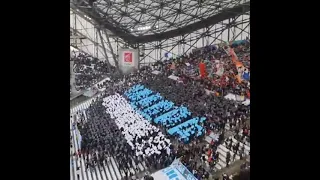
113, 129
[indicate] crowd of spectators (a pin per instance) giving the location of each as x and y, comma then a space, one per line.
88, 70
187, 68
102, 138
218, 111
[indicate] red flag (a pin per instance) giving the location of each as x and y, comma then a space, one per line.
202, 69
209, 152
209, 155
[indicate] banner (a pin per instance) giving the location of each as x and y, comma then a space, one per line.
176, 171
128, 60
183, 170
168, 173
234, 57
240, 98
237, 63
202, 69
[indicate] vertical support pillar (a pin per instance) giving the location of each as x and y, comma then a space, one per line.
138, 47
104, 51
112, 52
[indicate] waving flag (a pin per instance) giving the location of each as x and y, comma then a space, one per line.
202, 69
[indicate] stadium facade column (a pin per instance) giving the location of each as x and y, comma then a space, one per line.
104, 50
116, 62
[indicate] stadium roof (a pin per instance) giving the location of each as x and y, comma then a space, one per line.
141, 21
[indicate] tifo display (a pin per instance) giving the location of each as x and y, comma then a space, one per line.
186, 121
136, 129
177, 120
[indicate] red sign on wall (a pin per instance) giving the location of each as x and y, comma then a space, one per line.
128, 57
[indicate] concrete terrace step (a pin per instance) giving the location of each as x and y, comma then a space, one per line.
82, 106
246, 148
109, 170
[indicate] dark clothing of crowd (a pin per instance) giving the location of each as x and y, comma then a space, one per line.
102, 139
89, 70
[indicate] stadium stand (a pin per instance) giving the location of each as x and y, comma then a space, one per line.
88, 70
175, 119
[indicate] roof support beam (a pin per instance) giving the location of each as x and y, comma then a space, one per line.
124, 34
226, 14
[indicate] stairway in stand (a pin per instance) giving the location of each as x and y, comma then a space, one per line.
222, 149
109, 170
80, 107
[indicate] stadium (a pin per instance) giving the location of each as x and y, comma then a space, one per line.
159, 89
